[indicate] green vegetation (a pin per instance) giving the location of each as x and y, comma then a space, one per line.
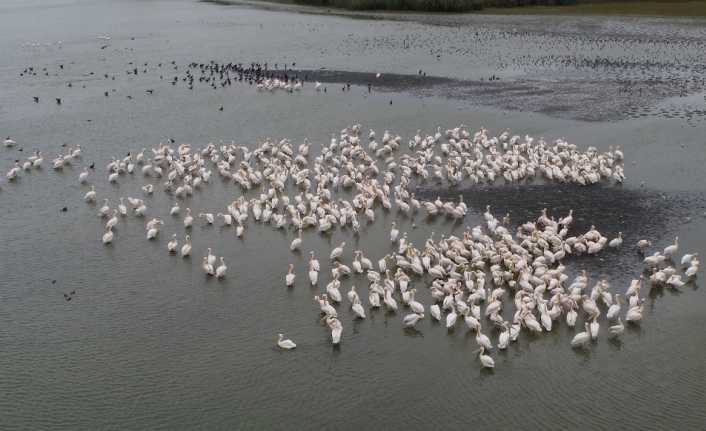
691, 8
419, 5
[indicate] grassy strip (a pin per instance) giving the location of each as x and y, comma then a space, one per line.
686, 8
693, 8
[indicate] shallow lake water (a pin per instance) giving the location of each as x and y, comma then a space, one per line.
148, 342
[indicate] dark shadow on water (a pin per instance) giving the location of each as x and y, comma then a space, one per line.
412, 332
583, 353
615, 343
634, 328
486, 372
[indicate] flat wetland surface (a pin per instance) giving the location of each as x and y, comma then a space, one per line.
147, 342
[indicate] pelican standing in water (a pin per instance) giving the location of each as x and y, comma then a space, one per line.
337, 252
394, 232
285, 344
289, 278
618, 329
186, 248
173, 244
296, 242
336, 329
207, 267
90, 196
485, 360
411, 319
582, 338
108, 236
222, 268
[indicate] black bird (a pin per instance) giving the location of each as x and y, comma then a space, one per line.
106, 94
64, 209
92, 165
58, 101
36, 99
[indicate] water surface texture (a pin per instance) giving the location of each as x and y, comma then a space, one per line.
147, 342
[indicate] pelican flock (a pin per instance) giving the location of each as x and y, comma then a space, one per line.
495, 280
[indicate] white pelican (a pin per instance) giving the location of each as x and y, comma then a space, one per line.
504, 338
357, 308
37, 163
394, 232
186, 248
616, 242
83, 176
173, 244
210, 257
221, 270
416, 306
122, 209
687, 258
108, 236
91, 195
618, 329
483, 339
643, 245
336, 329
104, 211
296, 242
337, 252
672, 249
113, 220
435, 311
285, 344
188, 219
207, 267
582, 338
227, 219
152, 233
485, 360
634, 314
411, 319
208, 216
332, 290
614, 309
289, 278
451, 318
